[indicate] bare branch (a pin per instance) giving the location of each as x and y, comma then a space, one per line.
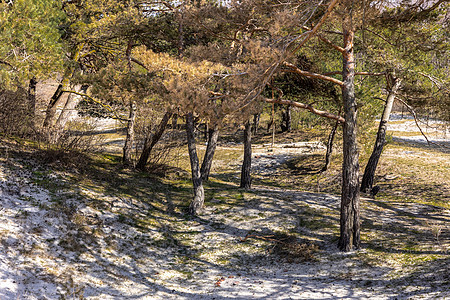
294, 69
327, 41
308, 107
316, 28
411, 110
139, 63
379, 35
7, 64
370, 73
434, 80
356, 73
108, 107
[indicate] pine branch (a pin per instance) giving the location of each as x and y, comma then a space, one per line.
108, 107
308, 107
253, 94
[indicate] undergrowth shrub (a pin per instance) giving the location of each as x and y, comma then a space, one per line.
16, 113
69, 146
291, 249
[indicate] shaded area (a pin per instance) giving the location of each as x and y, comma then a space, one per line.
127, 235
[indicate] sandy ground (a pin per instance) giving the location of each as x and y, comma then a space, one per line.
55, 244
45, 255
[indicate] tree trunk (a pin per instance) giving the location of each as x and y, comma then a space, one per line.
199, 194
129, 141
32, 100
69, 107
175, 121
150, 141
350, 214
246, 179
369, 172
256, 118
55, 101
213, 134
330, 146
286, 123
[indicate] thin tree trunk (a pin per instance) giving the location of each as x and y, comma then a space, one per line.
286, 123
256, 118
369, 172
175, 121
246, 180
32, 100
350, 212
69, 107
213, 134
206, 132
199, 194
330, 146
129, 141
151, 141
55, 101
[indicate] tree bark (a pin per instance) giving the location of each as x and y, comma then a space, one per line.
129, 141
55, 101
369, 172
350, 212
256, 118
213, 135
71, 102
199, 194
175, 121
150, 141
32, 100
330, 146
286, 123
246, 180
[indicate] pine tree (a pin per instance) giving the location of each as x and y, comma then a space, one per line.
29, 39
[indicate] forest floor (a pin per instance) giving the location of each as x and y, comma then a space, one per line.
78, 226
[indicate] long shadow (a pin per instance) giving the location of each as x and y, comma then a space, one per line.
97, 132
138, 199
439, 146
305, 164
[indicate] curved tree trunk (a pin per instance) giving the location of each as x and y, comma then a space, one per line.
71, 102
369, 172
150, 141
129, 141
55, 101
246, 180
350, 214
213, 135
199, 194
330, 146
